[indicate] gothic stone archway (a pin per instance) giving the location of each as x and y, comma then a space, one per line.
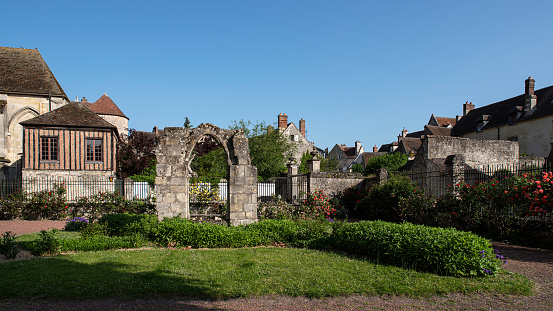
174, 155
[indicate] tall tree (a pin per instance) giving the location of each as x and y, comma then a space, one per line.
269, 150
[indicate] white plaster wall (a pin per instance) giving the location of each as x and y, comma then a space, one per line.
534, 136
121, 123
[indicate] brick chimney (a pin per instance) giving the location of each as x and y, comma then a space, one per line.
530, 99
282, 121
404, 133
302, 127
375, 148
467, 108
83, 100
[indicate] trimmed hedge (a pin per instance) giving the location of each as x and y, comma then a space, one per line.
437, 250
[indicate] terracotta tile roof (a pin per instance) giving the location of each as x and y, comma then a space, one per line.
499, 112
104, 105
25, 71
444, 121
74, 114
437, 130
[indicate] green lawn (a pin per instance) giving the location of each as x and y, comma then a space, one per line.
226, 273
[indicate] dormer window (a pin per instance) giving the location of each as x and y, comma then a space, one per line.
514, 114
482, 121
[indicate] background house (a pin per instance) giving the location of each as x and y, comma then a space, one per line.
27, 89
347, 155
297, 136
108, 110
526, 118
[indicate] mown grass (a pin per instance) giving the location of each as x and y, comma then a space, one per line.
227, 273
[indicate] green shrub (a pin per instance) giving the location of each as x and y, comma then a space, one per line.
94, 230
184, 232
396, 200
8, 246
47, 244
275, 209
441, 251
304, 233
127, 224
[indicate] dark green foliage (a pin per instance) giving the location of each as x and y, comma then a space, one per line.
357, 168
212, 164
441, 251
13, 206
47, 244
8, 246
135, 153
269, 150
94, 230
391, 162
147, 175
396, 200
305, 233
327, 165
128, 224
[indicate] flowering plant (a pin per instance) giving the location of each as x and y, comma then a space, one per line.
76, 224
316, 206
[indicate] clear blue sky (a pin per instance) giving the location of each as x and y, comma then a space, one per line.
354, 70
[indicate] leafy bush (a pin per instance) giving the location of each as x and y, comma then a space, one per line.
128, 224
316, 206
47, 244
437, 250
94, 230
8, 246
12, 206
396, 200
304, 233
275, 209
76, 224
46, 204
392, 162
183, 232
348, 198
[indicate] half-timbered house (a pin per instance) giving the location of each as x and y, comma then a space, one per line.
69, 141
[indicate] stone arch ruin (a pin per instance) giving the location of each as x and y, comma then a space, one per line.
174, 156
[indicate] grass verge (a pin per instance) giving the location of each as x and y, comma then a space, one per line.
228, 273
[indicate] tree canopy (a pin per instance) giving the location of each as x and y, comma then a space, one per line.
269, 149
391, 162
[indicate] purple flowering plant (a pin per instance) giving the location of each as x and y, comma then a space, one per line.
76, 224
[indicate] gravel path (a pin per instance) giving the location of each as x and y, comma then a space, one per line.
536, 264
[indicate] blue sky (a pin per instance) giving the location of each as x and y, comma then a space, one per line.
354, 70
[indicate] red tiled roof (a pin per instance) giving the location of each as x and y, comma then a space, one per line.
348, 151
104, 105
444, 121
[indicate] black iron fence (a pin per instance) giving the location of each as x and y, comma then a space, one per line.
438, 182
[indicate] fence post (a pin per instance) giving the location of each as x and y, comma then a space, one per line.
292, 180
454, 171
314, 163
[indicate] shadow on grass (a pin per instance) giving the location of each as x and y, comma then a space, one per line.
64, 278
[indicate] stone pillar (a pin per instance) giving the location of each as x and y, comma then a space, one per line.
314, 163
292, 180
382, 176
242, 195
454, 168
